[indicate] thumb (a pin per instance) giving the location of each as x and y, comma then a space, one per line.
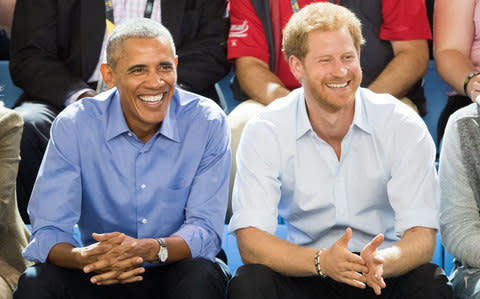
343, 241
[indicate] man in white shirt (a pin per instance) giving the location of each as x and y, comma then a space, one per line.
349, 170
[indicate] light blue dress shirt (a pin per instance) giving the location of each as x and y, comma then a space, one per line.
384, 182
98, 174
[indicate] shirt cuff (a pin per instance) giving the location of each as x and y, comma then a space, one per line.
419, 217
253, 218
73, 98
201, 242
42, 242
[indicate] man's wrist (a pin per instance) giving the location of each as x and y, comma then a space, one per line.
155, 249
78, 259
318, 264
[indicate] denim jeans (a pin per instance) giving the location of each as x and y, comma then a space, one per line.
466, 282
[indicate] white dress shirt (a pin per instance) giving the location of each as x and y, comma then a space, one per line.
384, 182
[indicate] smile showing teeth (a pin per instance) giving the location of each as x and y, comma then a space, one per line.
339, 85
151, 99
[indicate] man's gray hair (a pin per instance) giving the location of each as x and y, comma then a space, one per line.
136, 28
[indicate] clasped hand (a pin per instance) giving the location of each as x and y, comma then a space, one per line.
113, 258
355, 270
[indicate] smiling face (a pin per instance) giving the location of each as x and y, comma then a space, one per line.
330, 71
145, 75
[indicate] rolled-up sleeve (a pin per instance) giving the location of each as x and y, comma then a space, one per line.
55, 204
208, 198
256, 191
413, 189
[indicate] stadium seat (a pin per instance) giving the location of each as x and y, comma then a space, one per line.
436, 93
225, 93
8, 91
448, 262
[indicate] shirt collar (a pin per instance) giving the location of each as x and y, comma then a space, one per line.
360, 117
117, 125
303, 122
169, 126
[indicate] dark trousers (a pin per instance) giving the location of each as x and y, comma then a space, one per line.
37, 120
453, 104
191, 278
259, 281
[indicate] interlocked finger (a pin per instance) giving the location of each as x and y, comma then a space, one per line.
125, 276
355, 267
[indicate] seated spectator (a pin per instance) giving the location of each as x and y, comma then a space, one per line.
13, 233
143, 170
394, 59
460, 204
55, 64
457, 53
351, 172
6, 15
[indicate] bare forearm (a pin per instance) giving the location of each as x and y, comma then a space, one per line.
148, 249
64, 255
414, 249
452, 46
6, 12
259, 247
257, 81
453, 67
407, 67
177, 249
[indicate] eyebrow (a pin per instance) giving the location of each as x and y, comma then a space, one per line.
165, 63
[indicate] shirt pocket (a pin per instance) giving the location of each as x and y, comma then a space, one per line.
173, 197
171, 206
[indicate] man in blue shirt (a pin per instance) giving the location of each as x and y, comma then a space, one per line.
143, 170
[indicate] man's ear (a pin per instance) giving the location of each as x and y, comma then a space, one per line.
107, 74
296, 67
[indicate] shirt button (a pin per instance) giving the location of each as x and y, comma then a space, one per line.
144, 220
129, 134
143, 186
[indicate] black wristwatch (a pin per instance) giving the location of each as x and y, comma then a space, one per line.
467, 80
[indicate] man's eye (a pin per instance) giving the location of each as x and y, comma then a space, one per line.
136, 71
166, 67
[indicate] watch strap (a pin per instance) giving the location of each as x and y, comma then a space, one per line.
467, 80
163, 251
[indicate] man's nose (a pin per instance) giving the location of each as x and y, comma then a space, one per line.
155, 80
339, 69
